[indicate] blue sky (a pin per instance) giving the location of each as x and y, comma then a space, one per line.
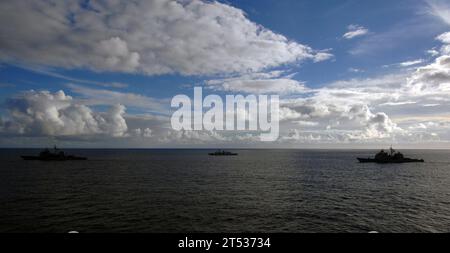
103, 54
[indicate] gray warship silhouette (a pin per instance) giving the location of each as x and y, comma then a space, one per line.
391, 157
222, 153
56, 155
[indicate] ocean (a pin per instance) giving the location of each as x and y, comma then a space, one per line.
273, 191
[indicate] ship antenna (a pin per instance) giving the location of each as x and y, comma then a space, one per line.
54, 143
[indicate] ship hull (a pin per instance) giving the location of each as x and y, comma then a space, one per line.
212, 154
37, 158
405, 160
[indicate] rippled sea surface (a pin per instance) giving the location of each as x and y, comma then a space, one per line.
257, 191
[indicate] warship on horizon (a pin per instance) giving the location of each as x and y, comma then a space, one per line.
222, 153
391, 157
56, 155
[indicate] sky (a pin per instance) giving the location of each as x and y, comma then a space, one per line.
101, 74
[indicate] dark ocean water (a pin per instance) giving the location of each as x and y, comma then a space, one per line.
257, 191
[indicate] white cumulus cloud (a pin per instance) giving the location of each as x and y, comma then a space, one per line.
151, 37
42, 113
